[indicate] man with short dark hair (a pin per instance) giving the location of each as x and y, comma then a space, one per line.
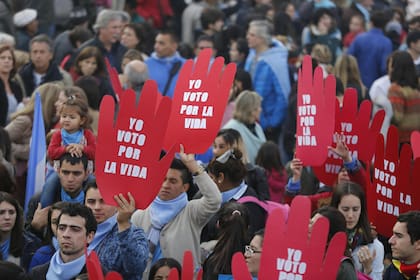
405, 246
76, 227
41, 69
413, 48
165, 62
371, 49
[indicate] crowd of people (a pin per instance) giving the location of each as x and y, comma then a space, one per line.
60, 49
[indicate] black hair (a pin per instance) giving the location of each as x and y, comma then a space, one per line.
169, 262
186, 175
210, 16
233, 169
412, 221
403, 70
268, 157
412, 37
379, 19
11, 271
77, 209
16, 240
74, 160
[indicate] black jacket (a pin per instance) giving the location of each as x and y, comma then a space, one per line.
26, 73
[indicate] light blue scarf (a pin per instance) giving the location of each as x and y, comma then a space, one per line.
71, 138
80, 198
55, 243
234, 193
59, 270
102, 231
162, 212
4, 247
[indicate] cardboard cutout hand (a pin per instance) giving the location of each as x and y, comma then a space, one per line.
358, 132
289, 252
415, 143
128, 150
395, 182
95, 271
187, 269
315, 114
199, 102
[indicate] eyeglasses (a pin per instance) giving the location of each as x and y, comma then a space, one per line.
250, 251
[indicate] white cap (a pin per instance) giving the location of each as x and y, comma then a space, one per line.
24, 17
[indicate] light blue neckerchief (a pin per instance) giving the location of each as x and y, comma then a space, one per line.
71, 138
59, 270
80, 198
234, 193
55, 243
162, 212
102, 231
4, 247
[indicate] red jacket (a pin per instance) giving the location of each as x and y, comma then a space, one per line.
56, 148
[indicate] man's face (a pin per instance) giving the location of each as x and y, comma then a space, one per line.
172, 186
72, 236
164, 45
401, 245
252, 37
112, 32
100, 209
204, 45
72, 177
415, 47
40, 55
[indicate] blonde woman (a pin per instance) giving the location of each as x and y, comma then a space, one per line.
245, 120
347, 69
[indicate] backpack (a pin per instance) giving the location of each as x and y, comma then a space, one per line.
267, 205
360, 275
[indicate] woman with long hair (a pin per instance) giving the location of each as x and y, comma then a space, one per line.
367, 252
404, 95
10, 91
232, 237
347, 69
11, 228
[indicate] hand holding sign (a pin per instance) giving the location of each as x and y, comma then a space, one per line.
315, 114
288, 254
355, 130
128, 151
395, 182
199, 101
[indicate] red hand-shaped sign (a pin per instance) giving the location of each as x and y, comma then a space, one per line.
415, 143
128, 150
395, 183
315, 114
187, 269
358, 131
290, 253
95, 271
199, 101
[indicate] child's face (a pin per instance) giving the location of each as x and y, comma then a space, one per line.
88, 66
70, 119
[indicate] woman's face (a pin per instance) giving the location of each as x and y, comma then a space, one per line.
256, 113
7, 217
54, 220
162, 273
59, 103
129, 38
350, 207
325, 23
253, 255
88, 66
219, 146
6, 61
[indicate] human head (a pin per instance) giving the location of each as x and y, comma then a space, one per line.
74, 114
229, 138
336, 220
136, 73
75, 230
12, 271
66, 93
405, 240
161, 268
133, 36
357, 23
108, 25
7, 39
259, 34
253, 252
247, 107
204, 42
349, 198
241, 82
89, 86
268, 156
166, 44
11, 220
95, 201
7, 60
53, 213
72, 173
212, 20
177, 181
238, 50
347, 69
41, 52
378, 19
90, 61
323, 18
78, 35
26, 19
227, 170
403, 70
413, 41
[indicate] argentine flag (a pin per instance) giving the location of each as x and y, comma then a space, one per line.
37, 154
